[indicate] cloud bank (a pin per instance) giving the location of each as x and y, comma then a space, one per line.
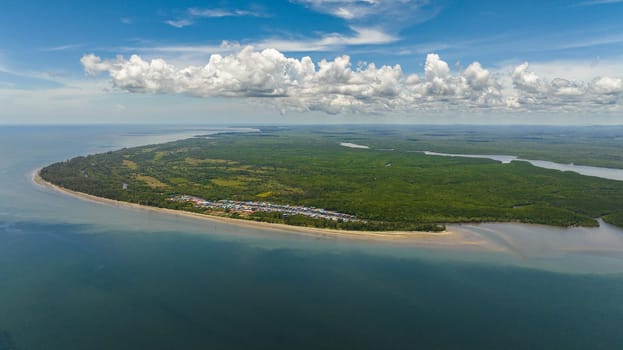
338, 86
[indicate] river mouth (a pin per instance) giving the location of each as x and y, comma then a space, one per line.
569, 250
604, 173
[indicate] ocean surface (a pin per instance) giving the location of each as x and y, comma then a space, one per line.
81, 275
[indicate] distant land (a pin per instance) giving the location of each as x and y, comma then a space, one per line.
364, 178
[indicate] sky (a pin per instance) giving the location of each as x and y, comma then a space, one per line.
311, 61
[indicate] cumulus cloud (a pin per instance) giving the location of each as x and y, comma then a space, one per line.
93, 65
608, 86
336, 86
527, 81
565, 93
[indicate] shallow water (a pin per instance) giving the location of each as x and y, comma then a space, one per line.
571, 250
76, 275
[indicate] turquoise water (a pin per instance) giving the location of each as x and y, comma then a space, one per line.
81, 275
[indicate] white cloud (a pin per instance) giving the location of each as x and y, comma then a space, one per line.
607, 85
219, 12
476, 76
326, 43
224, 47
395, 14
329, 42
567, 94
344, 13
367, 20
435, 68
180, 23
578, 70
93, 65
527, 81
194, 13
290, 84
360, 9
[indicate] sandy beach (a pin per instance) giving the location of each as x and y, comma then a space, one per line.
446, 238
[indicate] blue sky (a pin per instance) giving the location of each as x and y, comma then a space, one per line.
59, 62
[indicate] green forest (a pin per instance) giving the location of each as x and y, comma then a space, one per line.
390, 186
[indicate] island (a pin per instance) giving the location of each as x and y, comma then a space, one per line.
361, 179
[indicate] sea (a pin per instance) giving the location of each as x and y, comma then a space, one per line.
76, 274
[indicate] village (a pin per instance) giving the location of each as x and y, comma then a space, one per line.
248, 207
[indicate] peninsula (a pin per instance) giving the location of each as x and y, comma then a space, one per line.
305, 177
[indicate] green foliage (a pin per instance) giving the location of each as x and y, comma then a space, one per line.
304, 166
615, 218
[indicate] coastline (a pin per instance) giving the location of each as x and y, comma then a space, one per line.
444, 238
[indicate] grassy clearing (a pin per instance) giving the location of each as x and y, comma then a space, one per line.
195, 161
130, 164
151, 181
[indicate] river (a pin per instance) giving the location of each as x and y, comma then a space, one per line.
605, 173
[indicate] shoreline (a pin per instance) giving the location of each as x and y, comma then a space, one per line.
443, 238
